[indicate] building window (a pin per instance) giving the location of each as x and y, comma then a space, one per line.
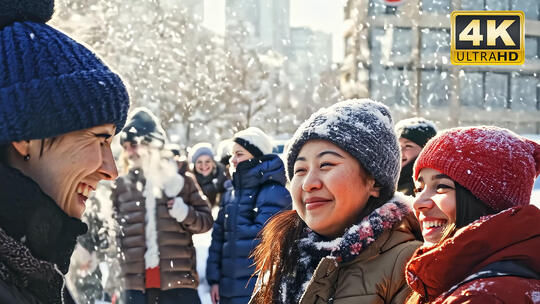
497, 5
529, 7
496, 86
391, 46
472, 5
434, 88
523, 92
391, 86
377, 7
401, 45
531, 47
376, 41
472, 89
436, 6
435, 45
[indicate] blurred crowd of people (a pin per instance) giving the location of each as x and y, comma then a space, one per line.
363, 210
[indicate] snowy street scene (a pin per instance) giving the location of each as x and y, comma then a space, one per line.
269, 151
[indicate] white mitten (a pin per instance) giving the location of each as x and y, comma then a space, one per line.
173, 185
179, 209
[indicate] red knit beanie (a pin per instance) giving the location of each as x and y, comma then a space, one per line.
498, 166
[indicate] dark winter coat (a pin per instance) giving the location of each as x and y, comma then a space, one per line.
405, 182
258, 193
37, 239
512, 235
177, 261
213, 184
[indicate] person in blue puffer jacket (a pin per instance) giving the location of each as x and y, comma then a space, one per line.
255, 193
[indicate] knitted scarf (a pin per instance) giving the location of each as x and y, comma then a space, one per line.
313, 247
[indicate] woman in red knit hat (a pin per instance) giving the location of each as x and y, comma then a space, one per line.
481, 236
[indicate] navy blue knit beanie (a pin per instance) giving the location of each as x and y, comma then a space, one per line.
363, 128
50, 84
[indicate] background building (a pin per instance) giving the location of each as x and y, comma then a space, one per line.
194, 8
266, 21
401, 56
310, 51
309, 65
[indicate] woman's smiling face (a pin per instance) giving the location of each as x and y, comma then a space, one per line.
204, 165
71, 166
435, 204
329, 188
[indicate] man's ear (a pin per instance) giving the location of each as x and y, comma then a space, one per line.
22, 147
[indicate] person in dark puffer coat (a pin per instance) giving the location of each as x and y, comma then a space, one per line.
60, 107
256, 192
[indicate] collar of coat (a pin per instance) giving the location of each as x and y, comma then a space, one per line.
511, 234
356, 239
257, 171
35, 221
203, 180
19, 267
405, 181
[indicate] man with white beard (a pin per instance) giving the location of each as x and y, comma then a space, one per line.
158, 211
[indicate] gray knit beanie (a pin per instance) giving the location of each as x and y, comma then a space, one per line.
363, 128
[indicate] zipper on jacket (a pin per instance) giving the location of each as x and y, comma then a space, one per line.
63, 283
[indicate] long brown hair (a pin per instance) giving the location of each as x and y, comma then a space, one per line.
468, 209
276, 255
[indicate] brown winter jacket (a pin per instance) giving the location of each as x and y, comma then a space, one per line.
176, 252
374, 276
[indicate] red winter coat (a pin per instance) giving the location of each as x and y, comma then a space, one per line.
513, 234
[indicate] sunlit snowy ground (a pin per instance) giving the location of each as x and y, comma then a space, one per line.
202, 242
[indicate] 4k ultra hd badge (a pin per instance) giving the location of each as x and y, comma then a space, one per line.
487, 37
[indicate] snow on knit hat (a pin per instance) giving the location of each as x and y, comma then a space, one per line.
199, 150
498, 166
143, 127
416, 129
50, 84
363, 128
255, 141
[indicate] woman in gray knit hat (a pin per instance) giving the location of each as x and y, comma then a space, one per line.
348, 237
